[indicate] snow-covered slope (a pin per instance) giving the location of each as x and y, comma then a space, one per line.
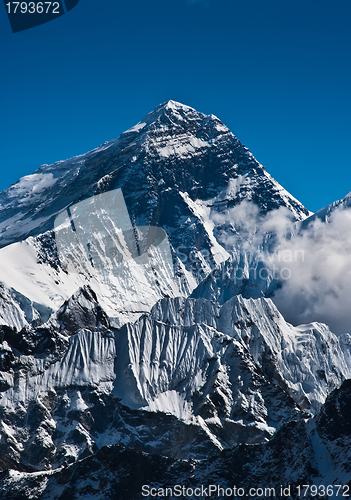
178, 169
15, 310
122, 321
128, 273
189, 369
174, 148
223, 375
308, 361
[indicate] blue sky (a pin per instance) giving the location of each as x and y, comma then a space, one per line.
277, 73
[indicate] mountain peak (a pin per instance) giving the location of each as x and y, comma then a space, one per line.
173, 149
173, 109
174, 105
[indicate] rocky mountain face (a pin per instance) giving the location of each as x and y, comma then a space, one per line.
173, 153
315, 453
130, 353
177, 169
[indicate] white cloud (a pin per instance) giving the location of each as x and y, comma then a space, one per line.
319, 288
246, 228
316, 260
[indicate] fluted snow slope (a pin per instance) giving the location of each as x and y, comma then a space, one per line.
309, 361
227, 374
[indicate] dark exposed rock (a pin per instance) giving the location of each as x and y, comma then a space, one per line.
334, 419
121, 472
82, 310
7, 463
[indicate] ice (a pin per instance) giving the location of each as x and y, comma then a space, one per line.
139, 126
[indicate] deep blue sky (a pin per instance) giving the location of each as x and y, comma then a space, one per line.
277, 73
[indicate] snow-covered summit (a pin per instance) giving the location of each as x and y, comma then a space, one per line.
172, 106
177, 169
174, 148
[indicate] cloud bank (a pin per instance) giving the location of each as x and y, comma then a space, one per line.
315, 262
319, 288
